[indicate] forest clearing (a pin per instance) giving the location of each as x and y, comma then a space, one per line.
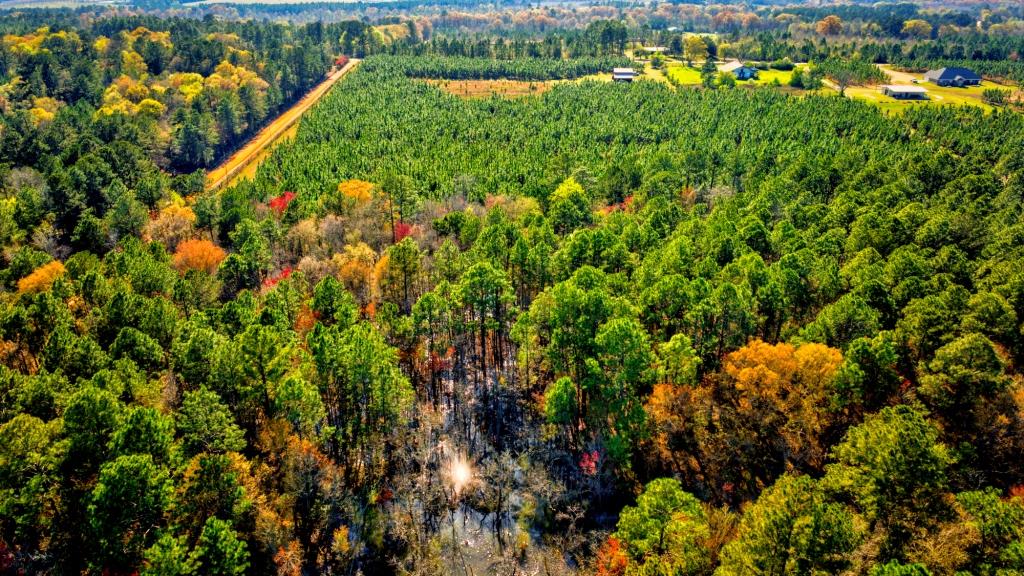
488, 88
937, 95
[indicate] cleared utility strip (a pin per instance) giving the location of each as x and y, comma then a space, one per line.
268, 136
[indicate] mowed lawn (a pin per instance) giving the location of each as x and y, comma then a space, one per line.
770, 76
874, 95
942, 95
683, 74
649, 73
687, 75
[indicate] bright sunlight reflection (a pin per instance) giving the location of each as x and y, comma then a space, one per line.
461, 474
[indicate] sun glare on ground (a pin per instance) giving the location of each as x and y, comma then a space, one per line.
461, 474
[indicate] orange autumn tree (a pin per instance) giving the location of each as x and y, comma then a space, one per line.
674, 403
611, 559
680, 418
830, 25
783, 393
356, 266
41, 278
198, 255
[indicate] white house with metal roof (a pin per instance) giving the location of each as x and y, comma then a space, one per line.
905, 92
623, 74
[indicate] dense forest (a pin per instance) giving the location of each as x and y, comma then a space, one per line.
184, 92
611, 328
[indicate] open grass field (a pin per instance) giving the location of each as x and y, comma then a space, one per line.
687, 75
770, 76
941, 95
683, 74
874, 95
488, 88
649, 73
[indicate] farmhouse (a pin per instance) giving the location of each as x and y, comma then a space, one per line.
737, 69
905, 92
953, 77
623, 74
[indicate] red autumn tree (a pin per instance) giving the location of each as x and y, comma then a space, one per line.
280, 203
402, 231
283, 275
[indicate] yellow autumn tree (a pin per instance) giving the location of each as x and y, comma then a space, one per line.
44, 109
132, 64
353, 194
41, 278
917, 28
188, 84
783, 391
150, 107
227, 76
171, 226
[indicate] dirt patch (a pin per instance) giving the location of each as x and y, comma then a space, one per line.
488, 88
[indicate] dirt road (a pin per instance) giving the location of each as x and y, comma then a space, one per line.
238, 161
897, 77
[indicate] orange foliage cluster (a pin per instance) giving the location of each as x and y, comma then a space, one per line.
672, 409
775, 369
289, 559
41, 278
305, 320
787, 387
782, 393
198, 255
689, 196
611, 558
830, 26
626, 206
438, 362
357, 270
